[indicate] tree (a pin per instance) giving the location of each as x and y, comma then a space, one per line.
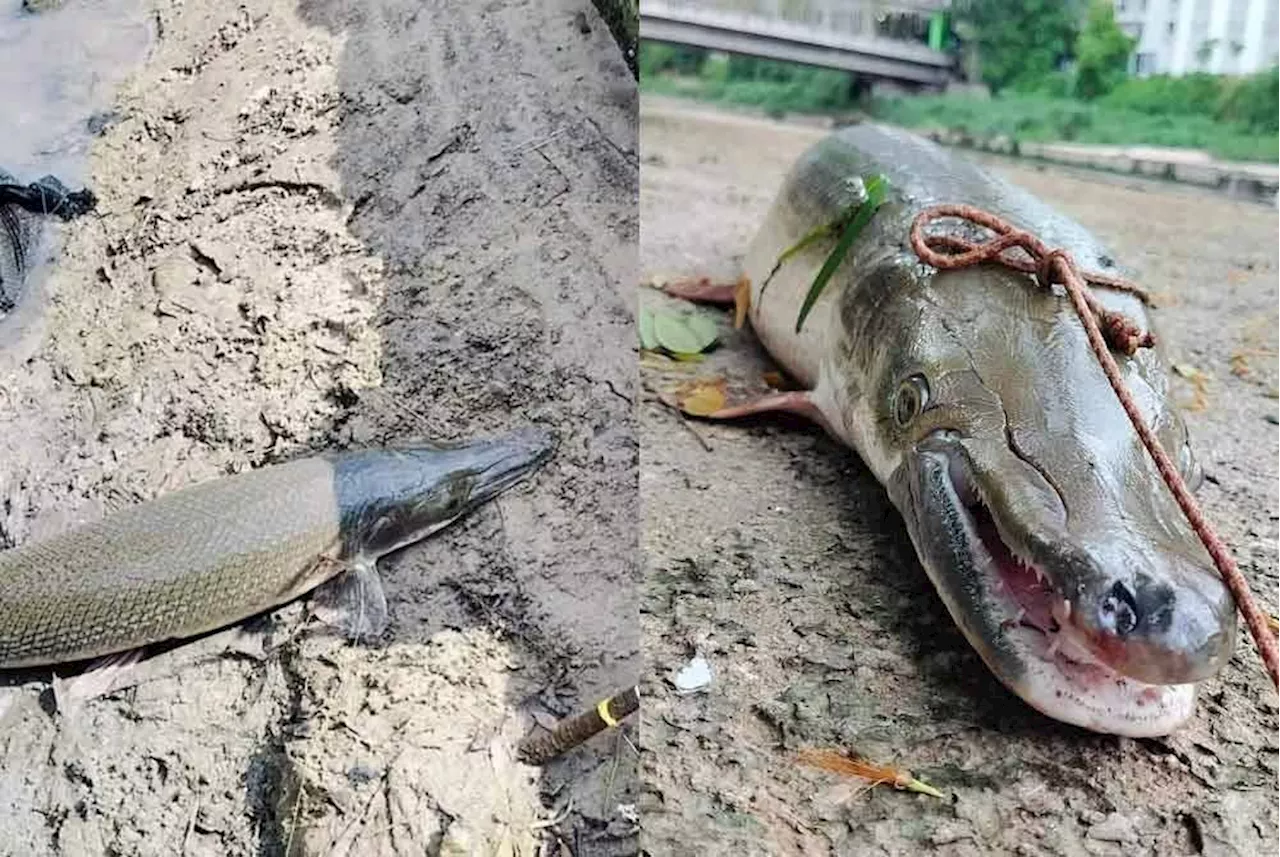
1102, 52
1019, 42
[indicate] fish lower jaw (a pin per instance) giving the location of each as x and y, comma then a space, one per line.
1061, 676
1091, 695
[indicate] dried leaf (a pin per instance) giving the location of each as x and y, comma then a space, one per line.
852, 766
1199, 383
775, 380
703, 397
1186, 370
741, 302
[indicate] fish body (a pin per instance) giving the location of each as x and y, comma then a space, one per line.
218, 552
973, 397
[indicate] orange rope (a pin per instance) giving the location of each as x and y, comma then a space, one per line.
1104, 328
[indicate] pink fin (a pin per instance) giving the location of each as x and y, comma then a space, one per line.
798, 402
702, 290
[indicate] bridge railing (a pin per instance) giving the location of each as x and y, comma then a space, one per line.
900, 20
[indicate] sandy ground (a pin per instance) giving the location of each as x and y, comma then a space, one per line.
322, 225
775, 554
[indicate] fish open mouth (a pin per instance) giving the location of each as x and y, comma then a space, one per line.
1014, 613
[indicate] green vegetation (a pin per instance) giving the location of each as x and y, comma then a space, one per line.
623, 20
1020, 42
1042, 118
1102, 52
1234, 118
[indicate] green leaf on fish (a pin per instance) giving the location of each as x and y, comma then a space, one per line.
876, 186
816, 234
684, 336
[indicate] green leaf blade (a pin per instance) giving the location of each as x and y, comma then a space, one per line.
876, 190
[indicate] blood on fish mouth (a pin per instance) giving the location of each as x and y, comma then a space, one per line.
1031, 599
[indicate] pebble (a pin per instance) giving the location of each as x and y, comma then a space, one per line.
1114, 828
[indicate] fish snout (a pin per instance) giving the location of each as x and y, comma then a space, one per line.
503, 460
1178, 630
528, 444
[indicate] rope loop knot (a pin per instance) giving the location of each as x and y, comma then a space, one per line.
1048, 266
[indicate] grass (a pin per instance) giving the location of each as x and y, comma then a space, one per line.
1044, 119
771, 96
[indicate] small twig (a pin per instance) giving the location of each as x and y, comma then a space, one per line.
191, 824
539, 142
685, 421
538, 749
544, 823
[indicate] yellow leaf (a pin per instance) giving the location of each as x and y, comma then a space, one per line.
702, 398
741, 301
775, 380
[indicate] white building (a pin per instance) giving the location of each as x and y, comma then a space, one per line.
1218, 36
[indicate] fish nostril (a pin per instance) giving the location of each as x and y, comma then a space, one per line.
1119, 610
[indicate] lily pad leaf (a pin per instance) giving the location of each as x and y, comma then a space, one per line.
648, 339
684, 334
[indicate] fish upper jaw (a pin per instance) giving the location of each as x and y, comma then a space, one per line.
389, 499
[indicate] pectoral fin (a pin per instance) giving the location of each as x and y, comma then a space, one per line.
98, 679
354, 602
798, 402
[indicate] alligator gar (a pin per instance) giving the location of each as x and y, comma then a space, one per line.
221, 551
974, 398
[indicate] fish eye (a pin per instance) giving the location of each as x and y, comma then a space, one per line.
911, 399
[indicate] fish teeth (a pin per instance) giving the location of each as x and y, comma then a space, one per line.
1053, 646
1022, 611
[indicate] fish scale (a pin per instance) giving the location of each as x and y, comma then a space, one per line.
182, 565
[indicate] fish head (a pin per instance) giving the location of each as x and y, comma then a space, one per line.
390, 498
1033, 505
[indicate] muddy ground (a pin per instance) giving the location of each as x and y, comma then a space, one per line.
774, 553
328, 224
